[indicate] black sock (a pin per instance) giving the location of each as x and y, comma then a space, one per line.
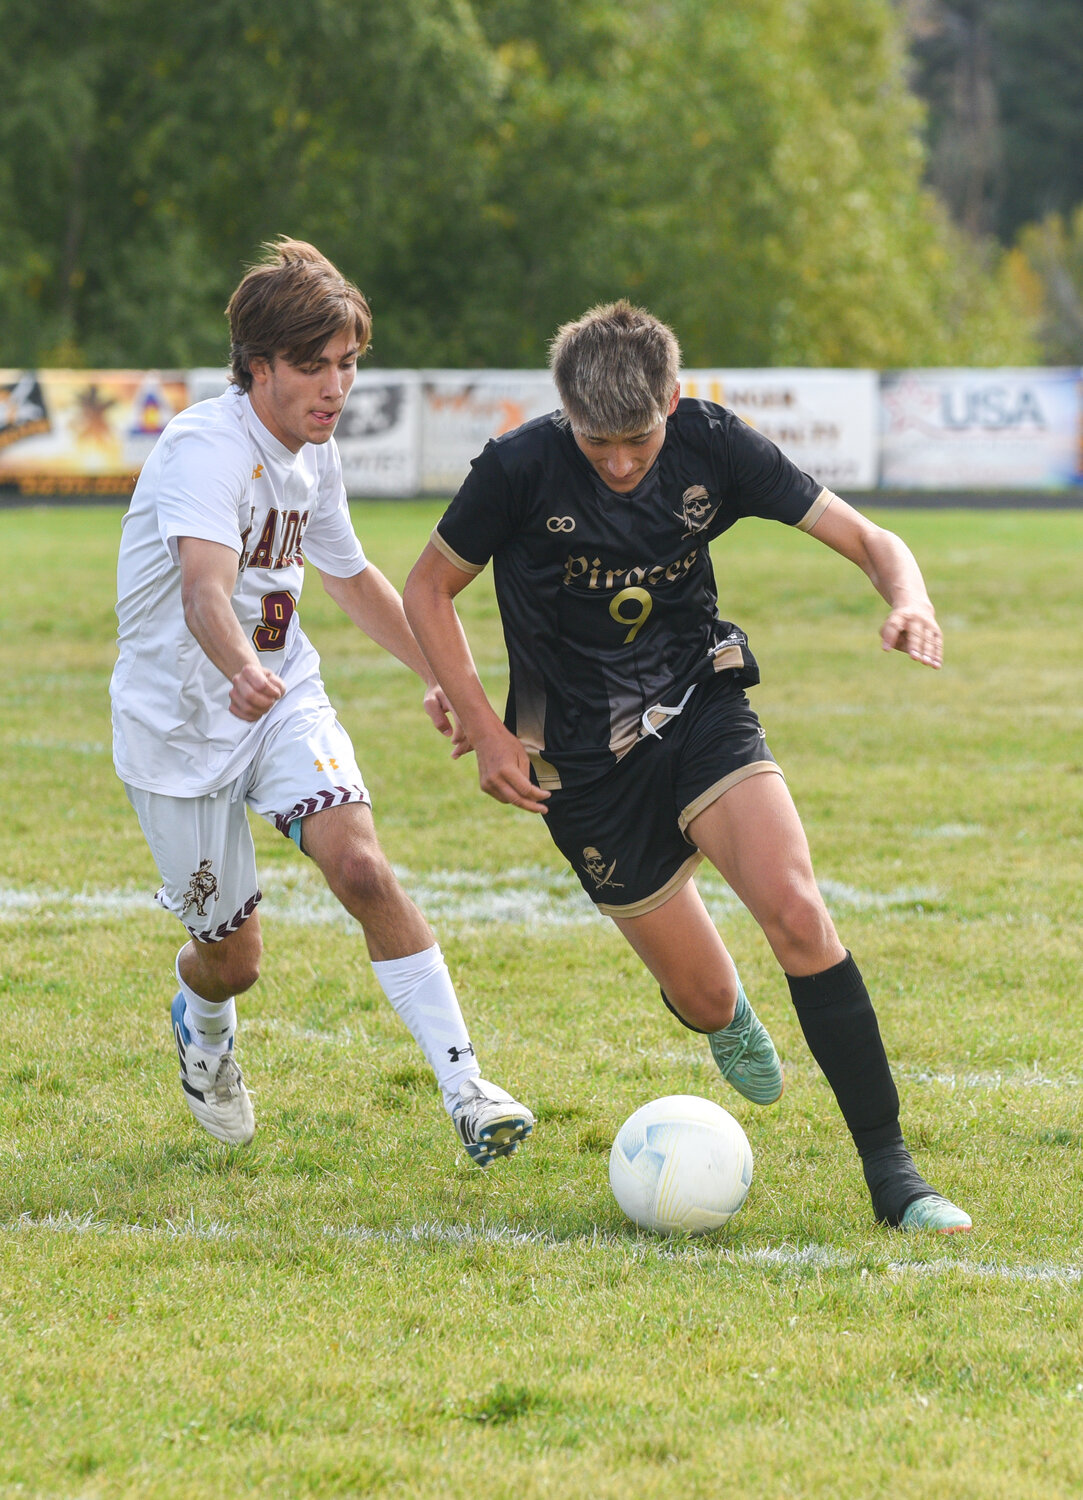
841, 1030
893, 1180
675, 1012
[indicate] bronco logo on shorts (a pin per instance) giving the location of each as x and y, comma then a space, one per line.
594, 865
202, 887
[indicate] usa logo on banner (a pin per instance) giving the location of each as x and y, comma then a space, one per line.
980, 429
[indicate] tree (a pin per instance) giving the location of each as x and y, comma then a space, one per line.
484, 169
145, 161
1003, 80
753, 172
1047, 267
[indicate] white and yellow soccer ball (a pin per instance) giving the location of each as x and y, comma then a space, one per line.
680, 1165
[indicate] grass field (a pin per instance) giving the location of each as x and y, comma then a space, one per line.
349, 1308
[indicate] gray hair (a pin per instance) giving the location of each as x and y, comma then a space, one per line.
615, 369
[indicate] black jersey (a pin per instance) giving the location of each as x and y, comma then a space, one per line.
607, 600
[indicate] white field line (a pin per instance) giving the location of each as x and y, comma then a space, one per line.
531, 896
534, 897
813, 1259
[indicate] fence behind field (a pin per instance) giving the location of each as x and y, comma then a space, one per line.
405, 433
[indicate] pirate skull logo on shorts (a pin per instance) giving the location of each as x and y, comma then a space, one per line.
595, 867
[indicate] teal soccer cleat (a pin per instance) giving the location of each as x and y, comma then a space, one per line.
935, 1213
746, 1055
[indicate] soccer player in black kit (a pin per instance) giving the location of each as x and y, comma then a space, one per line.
627, 723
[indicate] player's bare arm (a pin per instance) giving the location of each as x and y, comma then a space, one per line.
208, 575
429, 598
893, 571
374, 605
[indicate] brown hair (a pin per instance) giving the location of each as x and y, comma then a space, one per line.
290, 304
616, 369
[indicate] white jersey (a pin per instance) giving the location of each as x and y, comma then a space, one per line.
217, 474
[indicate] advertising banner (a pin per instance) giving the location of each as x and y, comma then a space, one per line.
825, 420
410, 432
378, 435
82, 432
205, 384
980, 429
462, 409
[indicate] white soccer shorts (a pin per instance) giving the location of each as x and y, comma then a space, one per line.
203, 845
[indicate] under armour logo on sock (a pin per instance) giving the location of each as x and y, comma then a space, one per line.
456, 1052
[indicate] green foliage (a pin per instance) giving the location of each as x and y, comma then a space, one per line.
1040, 86
1003, 80
790, 129
1047, 268
484, 169
166, 143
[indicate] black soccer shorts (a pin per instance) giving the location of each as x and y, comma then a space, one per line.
625, 835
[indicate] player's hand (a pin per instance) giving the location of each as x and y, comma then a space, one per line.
460, 741
913, 628
253, 691
504, 772
440, 712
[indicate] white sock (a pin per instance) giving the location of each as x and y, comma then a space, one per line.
422, 994
210, 1024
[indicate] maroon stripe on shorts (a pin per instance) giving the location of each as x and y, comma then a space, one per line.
336, 796
216, 934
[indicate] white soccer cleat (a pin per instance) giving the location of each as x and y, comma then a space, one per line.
489, 1122
213, 1086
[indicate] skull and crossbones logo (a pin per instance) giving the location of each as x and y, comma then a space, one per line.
595, 867
696, 509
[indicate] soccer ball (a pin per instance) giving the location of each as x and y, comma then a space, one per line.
680, 1164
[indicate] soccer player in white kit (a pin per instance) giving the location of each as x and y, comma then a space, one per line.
218, 704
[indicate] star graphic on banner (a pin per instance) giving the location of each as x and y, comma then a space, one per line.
93, 408
910, 402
